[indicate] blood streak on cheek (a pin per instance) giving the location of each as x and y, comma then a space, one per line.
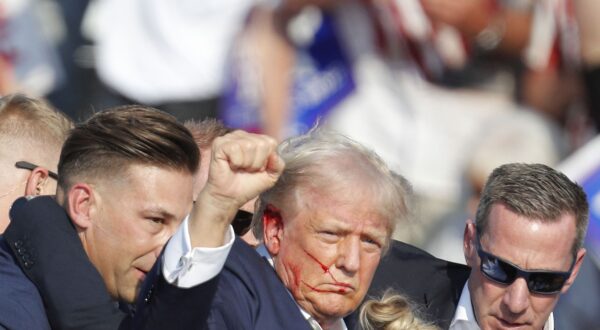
326, 270
323, 267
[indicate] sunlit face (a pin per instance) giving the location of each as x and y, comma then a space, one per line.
132, 219
328, 252
531, 245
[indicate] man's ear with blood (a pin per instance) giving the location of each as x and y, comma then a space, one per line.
272, 229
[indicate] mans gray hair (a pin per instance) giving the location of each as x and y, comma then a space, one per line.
537, 192
329, 163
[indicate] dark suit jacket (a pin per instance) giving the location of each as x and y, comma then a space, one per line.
433, 284
51, 255
76, 298
21, 306
247, 294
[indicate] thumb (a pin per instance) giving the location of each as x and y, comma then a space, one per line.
275, 165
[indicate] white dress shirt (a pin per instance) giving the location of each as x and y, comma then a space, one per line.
464, 317
186, 267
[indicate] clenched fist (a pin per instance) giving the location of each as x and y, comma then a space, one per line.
242, 166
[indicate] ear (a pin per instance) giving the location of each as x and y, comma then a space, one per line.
36, 181
578, 261
272, 229
80, 200
469, 248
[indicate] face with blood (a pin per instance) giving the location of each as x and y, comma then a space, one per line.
326, 249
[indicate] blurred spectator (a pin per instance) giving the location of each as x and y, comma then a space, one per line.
379, 71
28, 60
514, 137
551, 82
586, 12
74, 97
168, 54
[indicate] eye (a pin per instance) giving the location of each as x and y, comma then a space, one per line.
156, 220
328, 235
371, 242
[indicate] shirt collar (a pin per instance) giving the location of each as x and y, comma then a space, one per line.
464, 317
261, 249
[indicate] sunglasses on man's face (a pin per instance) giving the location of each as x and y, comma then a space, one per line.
504, 272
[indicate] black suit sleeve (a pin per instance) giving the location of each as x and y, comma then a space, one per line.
160, 303
50, 253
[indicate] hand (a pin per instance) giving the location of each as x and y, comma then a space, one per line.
242, 166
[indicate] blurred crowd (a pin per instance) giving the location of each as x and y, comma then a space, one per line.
443, 90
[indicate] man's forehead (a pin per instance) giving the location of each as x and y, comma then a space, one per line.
347, 217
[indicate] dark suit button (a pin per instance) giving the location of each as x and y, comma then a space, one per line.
21, 251
27, 264
18, 244
148, 295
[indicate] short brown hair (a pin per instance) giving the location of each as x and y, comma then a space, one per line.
206, 131
112, 139
535, 191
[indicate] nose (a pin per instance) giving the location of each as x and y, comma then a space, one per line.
516, 297
349, 255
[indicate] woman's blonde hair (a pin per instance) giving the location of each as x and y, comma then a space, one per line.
392, 312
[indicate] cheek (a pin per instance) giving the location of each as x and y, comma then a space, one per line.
303, 269
489, 297
542, 306
369, 264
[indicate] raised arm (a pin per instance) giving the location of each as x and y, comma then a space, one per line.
242, 166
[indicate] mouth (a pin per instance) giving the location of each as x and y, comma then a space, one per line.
510, 325
338, 288
140, 273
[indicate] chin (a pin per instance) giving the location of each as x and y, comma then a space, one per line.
335, 310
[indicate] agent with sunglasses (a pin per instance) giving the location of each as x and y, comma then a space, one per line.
524, 249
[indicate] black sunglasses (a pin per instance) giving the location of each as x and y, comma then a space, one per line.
242, 222
504, 272
29, 166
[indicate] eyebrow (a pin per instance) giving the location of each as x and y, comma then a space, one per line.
157, 210
348, 228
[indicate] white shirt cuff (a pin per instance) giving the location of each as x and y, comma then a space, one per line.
186, 267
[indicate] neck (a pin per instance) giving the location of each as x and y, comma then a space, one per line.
326, 323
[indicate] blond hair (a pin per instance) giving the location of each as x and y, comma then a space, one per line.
392, 312
33, 128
